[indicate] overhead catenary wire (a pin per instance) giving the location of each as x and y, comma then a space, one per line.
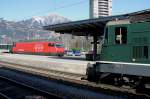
63, 6
71, 5
55, 8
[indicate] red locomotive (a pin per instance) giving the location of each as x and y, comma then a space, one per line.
40, 48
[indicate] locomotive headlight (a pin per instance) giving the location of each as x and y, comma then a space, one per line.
133, 59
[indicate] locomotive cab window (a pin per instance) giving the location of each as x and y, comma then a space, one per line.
120, 35
59, 45
51, 44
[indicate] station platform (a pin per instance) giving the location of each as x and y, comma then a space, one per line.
76, 65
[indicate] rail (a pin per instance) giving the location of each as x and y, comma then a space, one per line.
2, 96
42, 71
12, 89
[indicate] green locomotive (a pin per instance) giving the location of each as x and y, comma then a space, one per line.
127, 41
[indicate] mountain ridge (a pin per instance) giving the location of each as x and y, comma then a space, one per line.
45, 20
31, 28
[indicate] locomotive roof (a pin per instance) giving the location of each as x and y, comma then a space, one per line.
90, 26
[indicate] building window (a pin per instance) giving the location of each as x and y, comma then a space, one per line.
120, 35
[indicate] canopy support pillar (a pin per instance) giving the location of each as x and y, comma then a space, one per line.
95, 39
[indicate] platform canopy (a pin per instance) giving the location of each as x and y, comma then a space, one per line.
83, 27
92, 26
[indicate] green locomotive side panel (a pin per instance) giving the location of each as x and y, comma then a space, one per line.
140, 41
127, 43
140, 27
116, 53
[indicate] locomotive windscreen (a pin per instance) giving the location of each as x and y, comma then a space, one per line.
59, 45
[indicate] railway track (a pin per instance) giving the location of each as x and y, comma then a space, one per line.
42, 71
10, 89
2, 96
76, 79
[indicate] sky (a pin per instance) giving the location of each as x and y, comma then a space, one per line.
73, 9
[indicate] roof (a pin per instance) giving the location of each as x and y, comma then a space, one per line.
89, 26
141, 12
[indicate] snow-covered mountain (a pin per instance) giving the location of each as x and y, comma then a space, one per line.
39, 21
30, 28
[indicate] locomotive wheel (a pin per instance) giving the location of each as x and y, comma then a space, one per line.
118, 82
